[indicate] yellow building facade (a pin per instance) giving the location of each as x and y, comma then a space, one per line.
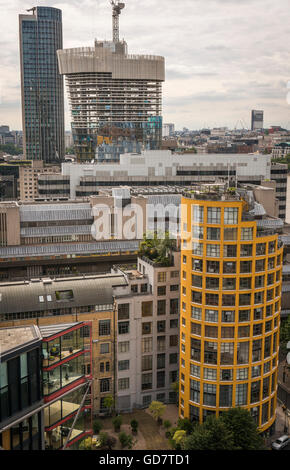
230, 300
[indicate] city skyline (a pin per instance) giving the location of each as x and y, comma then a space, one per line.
228, 65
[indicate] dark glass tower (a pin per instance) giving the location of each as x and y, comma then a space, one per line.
41, 84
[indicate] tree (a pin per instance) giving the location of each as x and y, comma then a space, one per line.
117, 423
178, 437
211, 435
109, 403
157, 409
97, 426
284, 334
243, 428
185, 424
157, 247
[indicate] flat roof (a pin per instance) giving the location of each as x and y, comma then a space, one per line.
14, 338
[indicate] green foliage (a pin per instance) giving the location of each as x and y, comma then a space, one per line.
185, 424
157, 409
179, 436
235, 429
97, 426
166, 423
126, 440
86, 444
117, 421
243, 428
284, 334
103, 438
157, 247
11, 149
109, 402
134, 425
212, 435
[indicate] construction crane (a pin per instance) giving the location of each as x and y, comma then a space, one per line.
116, 7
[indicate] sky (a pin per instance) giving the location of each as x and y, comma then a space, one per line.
223, 58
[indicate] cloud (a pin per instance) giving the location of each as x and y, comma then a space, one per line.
223, 57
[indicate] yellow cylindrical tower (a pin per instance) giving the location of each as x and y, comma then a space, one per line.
230, 300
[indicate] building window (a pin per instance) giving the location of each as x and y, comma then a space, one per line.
123, 311
211, 316
196, 281
161, 276
226, 395
213, 233
197, 232
228, 316
255, 391
105, 385
124, 365
212, 282
197, 265
197, 213
104, 327
213, 215
195, 349
146, 328
197, 248
227, 353
147, 345
231, 215
242, 374
161, 290
194, 370
161, 326
146, 363
230, 251
146, 381
247, 233
124, 346
196, 313
209, 394
213, 250
210, 299
230, 234
229, 267
210, 352
173, 340
147, 309
209, 374
246, 250
105, 348
123, 327
195, 391
124, 383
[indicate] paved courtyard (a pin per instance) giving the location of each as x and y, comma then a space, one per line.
150, 436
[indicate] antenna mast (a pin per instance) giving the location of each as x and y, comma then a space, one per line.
116, 8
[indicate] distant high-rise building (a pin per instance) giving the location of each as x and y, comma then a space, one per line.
257, 121
41, 84
168, 129
115, 98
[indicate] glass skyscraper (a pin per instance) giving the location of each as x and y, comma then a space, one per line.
41, 84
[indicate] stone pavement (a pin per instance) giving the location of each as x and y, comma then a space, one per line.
279, 425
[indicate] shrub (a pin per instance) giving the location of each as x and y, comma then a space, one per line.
97, 426
125, 440
166, 424
134, 425
103, 438
117, 421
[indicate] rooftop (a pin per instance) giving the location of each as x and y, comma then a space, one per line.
14, 338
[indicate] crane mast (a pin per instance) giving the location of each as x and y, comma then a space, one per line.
116, 11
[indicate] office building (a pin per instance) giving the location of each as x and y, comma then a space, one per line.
164, 168
115, 97
45, 386
21, 397
42, 96
257, 120
231, 276
148, 334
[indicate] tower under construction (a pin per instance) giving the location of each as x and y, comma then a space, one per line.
115, 97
